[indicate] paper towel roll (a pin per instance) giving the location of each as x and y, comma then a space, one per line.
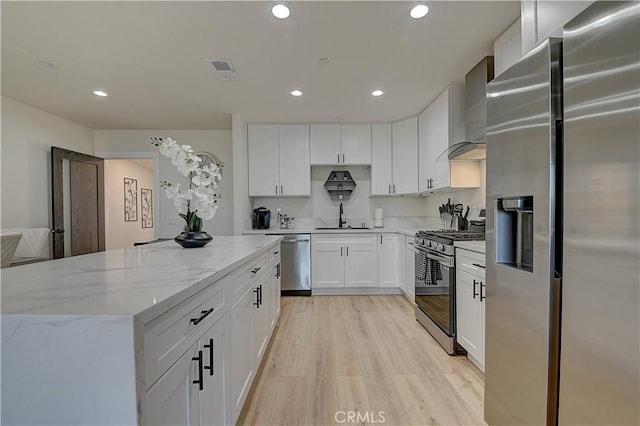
378, 218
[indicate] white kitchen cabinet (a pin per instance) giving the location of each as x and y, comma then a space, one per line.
470, 305
441, 125
381, 159
542, 19
405, 156
411, 271
507, 49
344, 261
402, 263
340, 144
360, 263
192, 391
388, 271
242, 365
279, 160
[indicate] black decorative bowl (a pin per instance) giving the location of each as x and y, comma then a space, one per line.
193, 239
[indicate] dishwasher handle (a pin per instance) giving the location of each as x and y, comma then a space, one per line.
295, 239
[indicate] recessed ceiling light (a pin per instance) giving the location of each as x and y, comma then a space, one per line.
419, 11
323, 61
296, 93
100, 93
45, 64
280, 11
377, 93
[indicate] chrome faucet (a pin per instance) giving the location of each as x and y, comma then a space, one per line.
341, 222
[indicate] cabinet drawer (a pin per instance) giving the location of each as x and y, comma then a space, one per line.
470, 261
247, 275
170, 335
274, 254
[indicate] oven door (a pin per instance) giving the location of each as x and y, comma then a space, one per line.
435, 288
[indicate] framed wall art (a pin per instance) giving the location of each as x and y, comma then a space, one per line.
130, 200
146, 207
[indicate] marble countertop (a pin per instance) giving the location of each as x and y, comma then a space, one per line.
277, 231
143, 281
478, 246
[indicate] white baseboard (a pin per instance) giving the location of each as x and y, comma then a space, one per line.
342, 291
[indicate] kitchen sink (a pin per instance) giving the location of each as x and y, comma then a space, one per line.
346, 228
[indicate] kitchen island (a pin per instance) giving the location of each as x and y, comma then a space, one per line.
147, 335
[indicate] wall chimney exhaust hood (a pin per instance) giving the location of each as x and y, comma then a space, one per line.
475, 115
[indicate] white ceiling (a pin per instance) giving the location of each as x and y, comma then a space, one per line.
153, 59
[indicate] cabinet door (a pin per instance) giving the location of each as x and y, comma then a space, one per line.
241, 360
355, 144
325, 144
439, 141
327, 263
388, 260
295, 172
215, 350
469, 313
411, 272
274, 294
425, 149
360, 265
173, 399
260, 321
381, 159
405, 156
264, 179
507, 49
402, 263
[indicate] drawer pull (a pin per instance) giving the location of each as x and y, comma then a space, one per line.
210, 366
479, 265
276, 252
474, 289
200, 381
203, 315
255, 270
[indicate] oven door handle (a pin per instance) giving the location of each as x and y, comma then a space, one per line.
443, 260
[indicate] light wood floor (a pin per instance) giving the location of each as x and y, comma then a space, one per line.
360, 353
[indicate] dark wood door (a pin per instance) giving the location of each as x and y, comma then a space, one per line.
86, 195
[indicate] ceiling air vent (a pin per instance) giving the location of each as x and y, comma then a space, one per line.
225, 69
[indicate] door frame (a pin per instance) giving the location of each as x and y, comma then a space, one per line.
155, 156
57, 198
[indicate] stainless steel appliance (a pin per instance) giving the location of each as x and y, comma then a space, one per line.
296, 265
563, 254
261, 218
436, 284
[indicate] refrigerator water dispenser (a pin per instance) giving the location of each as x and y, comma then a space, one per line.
514, 232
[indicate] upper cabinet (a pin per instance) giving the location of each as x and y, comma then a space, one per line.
507, 49
405, 156
341, 144
440, 126
279, 160
542, 19
381, 160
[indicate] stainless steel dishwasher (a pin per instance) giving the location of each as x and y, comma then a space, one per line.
296, 265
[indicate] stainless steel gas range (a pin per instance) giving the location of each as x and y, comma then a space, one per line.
436, 284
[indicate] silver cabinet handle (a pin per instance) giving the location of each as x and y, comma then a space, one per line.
343, 158
347, 250
338, 158
276, 189
281, 190
340, 251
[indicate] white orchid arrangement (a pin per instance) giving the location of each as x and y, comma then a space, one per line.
200, 201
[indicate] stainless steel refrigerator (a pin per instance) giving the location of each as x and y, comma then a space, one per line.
563, 227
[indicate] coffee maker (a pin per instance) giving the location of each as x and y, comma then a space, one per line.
261, 218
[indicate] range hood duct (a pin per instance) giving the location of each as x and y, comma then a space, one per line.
475, 115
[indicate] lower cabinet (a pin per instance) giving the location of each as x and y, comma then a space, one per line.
388, 273
274, 290
192, 391
411, 271
241, 371
470, 305
344, 261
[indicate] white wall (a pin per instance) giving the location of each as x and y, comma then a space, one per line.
468, 197
118, 233
27, 136
241, 205
358, 207
217, 142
